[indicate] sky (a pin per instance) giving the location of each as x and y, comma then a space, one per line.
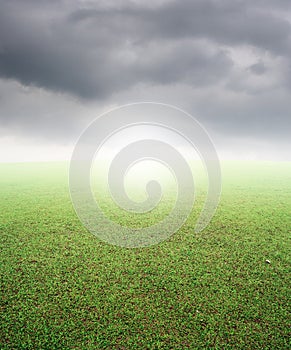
226, 62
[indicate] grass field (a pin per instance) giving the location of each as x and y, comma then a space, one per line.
62, 288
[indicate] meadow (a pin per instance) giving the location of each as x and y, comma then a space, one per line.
227, 287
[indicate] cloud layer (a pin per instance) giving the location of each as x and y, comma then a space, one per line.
226, 61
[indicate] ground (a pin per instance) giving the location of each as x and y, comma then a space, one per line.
62, 288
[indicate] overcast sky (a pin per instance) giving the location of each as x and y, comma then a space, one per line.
227, 62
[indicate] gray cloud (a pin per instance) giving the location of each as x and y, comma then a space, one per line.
258, 68
93, 51
228, 61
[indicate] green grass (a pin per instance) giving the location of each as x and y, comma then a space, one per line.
62, 288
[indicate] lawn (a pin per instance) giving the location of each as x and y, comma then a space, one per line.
63, 288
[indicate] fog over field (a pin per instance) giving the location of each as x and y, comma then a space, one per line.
62, 63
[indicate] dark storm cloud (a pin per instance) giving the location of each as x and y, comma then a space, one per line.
227, 61
92, 50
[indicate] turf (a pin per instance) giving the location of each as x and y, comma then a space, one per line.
62, 288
